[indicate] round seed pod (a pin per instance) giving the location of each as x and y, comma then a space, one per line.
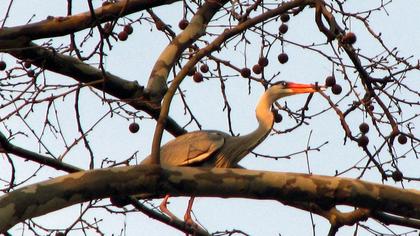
245, 72
363, 141
134, 127
283, 58
364, 128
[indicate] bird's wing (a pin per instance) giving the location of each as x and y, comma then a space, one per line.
191, 148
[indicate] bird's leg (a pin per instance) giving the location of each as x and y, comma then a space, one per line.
187, 217
165, 210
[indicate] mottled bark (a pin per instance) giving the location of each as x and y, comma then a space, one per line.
51, 195
172, 53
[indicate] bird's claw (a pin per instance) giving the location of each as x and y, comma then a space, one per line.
189, 221
166, 211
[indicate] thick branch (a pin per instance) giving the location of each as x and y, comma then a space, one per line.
60, 26
69, 66
51, 195
6, 146
171, 54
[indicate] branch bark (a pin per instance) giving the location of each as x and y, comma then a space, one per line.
171, 54
17, 42
54, 194
64, 25
7, 147
131, 92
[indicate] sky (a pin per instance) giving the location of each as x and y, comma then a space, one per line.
133, 60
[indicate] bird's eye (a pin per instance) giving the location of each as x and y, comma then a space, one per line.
282, 83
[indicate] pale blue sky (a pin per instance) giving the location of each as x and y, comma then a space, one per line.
133, 60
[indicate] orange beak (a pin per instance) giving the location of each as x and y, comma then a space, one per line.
304, 88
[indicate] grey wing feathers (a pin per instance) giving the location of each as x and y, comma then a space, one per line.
190, 148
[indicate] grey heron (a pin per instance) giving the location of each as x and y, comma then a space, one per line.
212, 148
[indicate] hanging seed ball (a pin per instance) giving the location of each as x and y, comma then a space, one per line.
363, 141
27, 64
192, 71
364, 128
257, 69
245, 72
198, 77
204, 68
263, 61
123, 36
402, 139
330, 81
134, 127
183, 24
371, 107
397, 176
2, 65
283, 58
30, 73
283, 28
349, 38
277, 116
128, 29
285, 17
336, 89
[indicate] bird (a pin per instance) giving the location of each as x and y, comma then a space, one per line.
217, 149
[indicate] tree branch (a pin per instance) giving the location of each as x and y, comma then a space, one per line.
390, 219
6, 146
171, 54
64, 25
131, 92
176, 223
51, 195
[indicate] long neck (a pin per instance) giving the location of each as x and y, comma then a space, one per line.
265, 122
240, 146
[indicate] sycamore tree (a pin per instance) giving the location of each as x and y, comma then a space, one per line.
90, 88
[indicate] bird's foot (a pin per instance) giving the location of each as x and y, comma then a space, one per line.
165, 210
189, 222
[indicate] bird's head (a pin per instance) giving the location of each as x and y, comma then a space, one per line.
284, 88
